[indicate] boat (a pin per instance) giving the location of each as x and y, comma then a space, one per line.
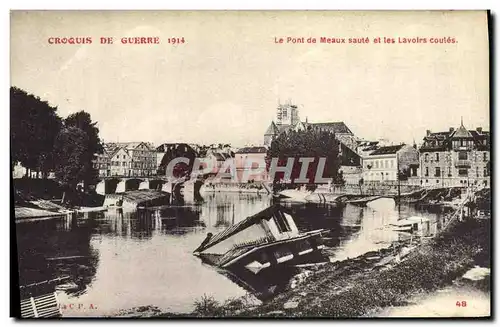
268, 239
295, 195
410, 224
331, 199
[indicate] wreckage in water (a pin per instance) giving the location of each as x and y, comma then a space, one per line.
268, 239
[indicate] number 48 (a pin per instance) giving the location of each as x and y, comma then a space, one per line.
461, 303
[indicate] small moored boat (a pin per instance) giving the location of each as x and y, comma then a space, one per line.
410, 224
265, 240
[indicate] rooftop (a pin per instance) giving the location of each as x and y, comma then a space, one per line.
335, 127
392, 149
252, 149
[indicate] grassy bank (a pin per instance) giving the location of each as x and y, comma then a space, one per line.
333, 293
341, 290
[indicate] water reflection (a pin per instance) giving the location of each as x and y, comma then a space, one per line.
56, 248
128, 259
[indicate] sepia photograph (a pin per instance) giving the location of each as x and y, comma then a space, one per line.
250, 164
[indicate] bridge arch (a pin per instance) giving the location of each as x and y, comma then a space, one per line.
132, 184
156, 184
110, 185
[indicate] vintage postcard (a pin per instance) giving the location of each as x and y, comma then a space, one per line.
250, 164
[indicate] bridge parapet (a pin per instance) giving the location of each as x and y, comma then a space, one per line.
117, 184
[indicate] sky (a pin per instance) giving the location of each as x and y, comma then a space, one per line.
224, 83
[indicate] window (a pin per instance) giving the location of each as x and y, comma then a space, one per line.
392, 163
376, 163
485, 156
437, 156
449, 171
477, 171
426, 171
438, 172
485, 172
426, 157
281, 222
462, 155
463, 172
124, 164
386, 164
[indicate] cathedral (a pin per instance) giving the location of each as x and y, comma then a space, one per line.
287, 118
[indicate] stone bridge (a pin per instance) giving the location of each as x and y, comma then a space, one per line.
111, 185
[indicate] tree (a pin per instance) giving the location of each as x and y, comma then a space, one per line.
34, 127
310, 143
404, 173
71, 151
178, 151
83, 121
93, 145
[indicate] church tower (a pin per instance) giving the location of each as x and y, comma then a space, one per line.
287, 114
272, 132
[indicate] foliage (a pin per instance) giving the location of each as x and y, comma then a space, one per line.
404, 173
311, 143
203, 150
207, 306
92, 146
179, 151
70, 150
344, 293
34, 127
41, 141
83, 121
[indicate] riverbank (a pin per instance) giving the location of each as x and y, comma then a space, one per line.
362, 287
344, 293
36, 199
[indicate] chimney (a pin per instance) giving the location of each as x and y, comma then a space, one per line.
451, 129
428, 132
479, 130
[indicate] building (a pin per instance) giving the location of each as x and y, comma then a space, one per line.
254, 154
457, 157
217, 160
383, 163
102, 162
120, 162
287, 118
137, 159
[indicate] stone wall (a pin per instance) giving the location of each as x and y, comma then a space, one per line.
386, 188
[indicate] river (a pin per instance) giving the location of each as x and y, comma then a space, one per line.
119, 260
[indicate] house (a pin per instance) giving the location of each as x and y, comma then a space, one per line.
383, 163
120, 162
457, 157
102, 163
217, 160
126, 159
245, 156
